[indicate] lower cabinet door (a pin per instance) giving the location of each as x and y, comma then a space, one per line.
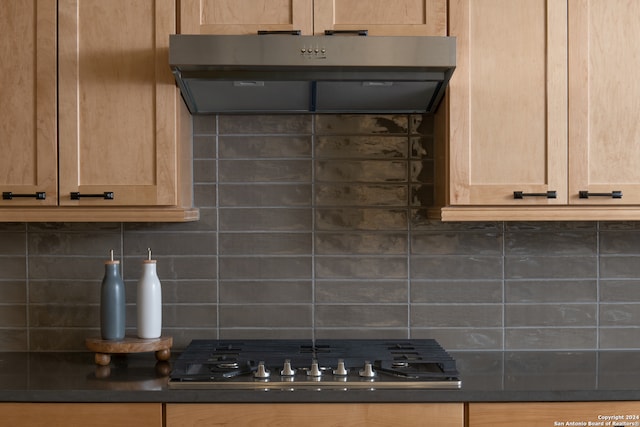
316, 414
81, 414
556, 414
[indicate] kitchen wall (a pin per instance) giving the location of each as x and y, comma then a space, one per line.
314, 227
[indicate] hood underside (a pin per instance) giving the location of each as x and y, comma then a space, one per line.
311, 74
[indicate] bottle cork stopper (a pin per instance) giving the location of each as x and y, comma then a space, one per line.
149, 260
111, 260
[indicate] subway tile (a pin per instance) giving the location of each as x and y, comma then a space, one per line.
456, 315
13, 339
13, 227
620, 314
363, 243
63, 315
362, 316
266, 171
13, 315
346, 124
360, 267
61, 339
80, 243
622, 242
265, 315
462, 338
353, 219
551, 226
265, 195
13, 243
265, 267
554, 338
370, 171
543, 291
620, 267
163, 244
204, 124
360, 333
189, 315
449, 267
265, 219
264, 147
204, 147
442, 227
456, 291
615, 338
422, 124
345, 147
577, 243
556, 315
204, 195
421, 148
452, 243
75, 292
354, 194
265, 243
266, 292
290, 332
361, 291
204, 171
202, 291
13, 291
181, 268
229, 124
550, 267
77, 227
421, 195
619, 291
422, 171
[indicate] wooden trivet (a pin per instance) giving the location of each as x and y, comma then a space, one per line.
105, 348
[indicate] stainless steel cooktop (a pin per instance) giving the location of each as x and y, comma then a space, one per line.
323, 364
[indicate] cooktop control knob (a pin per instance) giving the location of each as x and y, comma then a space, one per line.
262, 372
287, 370
367, 371
314, 371
341, 370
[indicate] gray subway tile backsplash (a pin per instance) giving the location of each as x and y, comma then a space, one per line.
313, 226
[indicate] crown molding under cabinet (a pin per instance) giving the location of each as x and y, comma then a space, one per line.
538, 213
99, 214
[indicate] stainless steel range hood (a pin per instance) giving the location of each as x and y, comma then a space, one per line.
311, 74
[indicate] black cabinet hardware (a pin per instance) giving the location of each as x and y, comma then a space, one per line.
352, 32
38, 195
521, 195
613, 194
107, 195
289, 32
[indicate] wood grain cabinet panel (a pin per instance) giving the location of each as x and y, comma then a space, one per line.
115, 124
544, 98
316, 415
536, 414
379, 17
81, 414
28, 127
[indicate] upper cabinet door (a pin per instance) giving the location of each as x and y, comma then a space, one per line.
382, 17
508, 102
604, 93
28, 163
118, 103
245, 16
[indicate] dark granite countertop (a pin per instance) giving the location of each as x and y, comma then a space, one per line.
486, 377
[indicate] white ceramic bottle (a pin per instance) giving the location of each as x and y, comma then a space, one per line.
149, 301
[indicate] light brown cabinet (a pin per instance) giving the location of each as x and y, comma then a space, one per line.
379, 17
120, 147
29, 160
534, 414
519, 121
319, 414
81, 414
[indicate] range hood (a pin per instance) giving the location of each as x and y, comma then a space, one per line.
311, 74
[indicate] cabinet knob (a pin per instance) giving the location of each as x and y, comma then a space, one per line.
38, 195
614, 194
107, 195
522, 195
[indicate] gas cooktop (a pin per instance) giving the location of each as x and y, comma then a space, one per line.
323, 364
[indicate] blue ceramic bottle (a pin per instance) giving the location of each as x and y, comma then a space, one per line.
112, 302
